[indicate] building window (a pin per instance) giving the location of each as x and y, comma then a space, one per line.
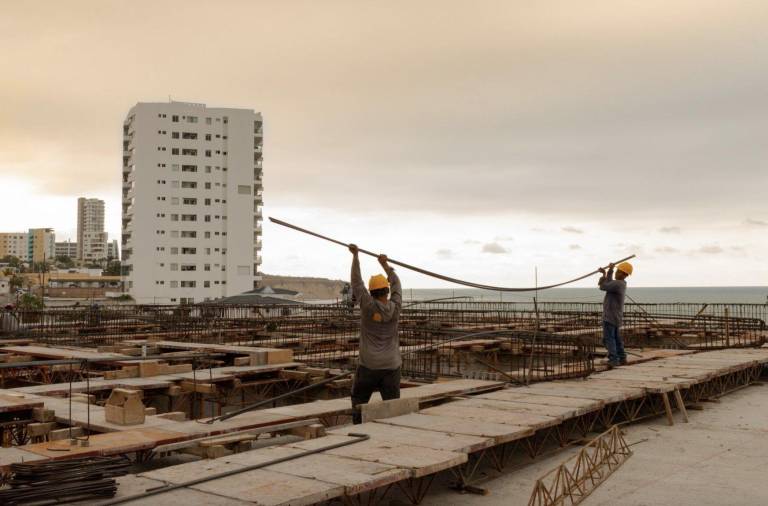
207, 267
174, 251
207, 202
206, 284
188, 217
208, 153
189, 267
208, 137
188, 251
244, 189
174, 167
174, 284
207, 169
174, 151
174, 201
174, 135
189, 135
174, 217
189, 152
189, 201
188, 233
188, 184
207, 218
174, 184
207, 186
191, 119
174, 267
189, 168
175, 118
207, 121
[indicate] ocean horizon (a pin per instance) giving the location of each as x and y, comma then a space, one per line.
642, 295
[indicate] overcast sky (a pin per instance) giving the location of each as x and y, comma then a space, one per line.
480, 139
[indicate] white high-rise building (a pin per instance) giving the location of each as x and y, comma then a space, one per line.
91, 238
192, 195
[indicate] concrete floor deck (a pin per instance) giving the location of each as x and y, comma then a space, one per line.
718, 458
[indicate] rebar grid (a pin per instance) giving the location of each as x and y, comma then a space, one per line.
546, 341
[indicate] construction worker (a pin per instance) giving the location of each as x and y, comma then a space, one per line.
379, 367
613, 311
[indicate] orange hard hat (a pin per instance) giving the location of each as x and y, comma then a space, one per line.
377, 282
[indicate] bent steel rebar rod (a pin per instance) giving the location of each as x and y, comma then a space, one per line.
441, 276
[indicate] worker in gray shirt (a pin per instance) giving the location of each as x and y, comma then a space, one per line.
379, 367
613, 311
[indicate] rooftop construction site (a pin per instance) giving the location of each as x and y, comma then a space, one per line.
356, 253
229, 404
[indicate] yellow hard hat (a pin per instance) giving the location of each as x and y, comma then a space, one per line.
625, 267
377, 282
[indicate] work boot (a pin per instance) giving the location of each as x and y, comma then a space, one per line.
623, 361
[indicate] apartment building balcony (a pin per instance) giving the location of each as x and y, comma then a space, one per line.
256, 257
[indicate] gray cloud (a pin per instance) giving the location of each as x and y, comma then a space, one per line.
574, 247
494, 247
670, 230
687, 104
712, 249
756, 223
572, 230
444, 253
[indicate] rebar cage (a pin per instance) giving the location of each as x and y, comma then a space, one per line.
517, 341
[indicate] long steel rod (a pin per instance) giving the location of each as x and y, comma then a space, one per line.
441, 276
160, 490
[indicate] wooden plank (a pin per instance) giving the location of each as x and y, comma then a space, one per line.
423, 462
520, 395
501, 433
261, 486
467, 411
559, 413
419, 438
112, 443
356, 476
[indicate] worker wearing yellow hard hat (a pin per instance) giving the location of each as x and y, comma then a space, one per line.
613, 310
380, 360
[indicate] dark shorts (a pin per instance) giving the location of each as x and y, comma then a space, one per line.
367, 381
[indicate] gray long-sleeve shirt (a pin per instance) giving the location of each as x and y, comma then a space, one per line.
379, 340
613, 303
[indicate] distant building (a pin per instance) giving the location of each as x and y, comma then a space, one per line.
192, 196
14, 244
66, 249
91, 238
41, 244
113, 252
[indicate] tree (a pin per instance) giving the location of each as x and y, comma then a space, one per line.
12, 261
113, 269
16, 282
29, 301
65, 261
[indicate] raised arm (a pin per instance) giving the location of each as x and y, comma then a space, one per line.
395, 289
607, 283
358, 286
